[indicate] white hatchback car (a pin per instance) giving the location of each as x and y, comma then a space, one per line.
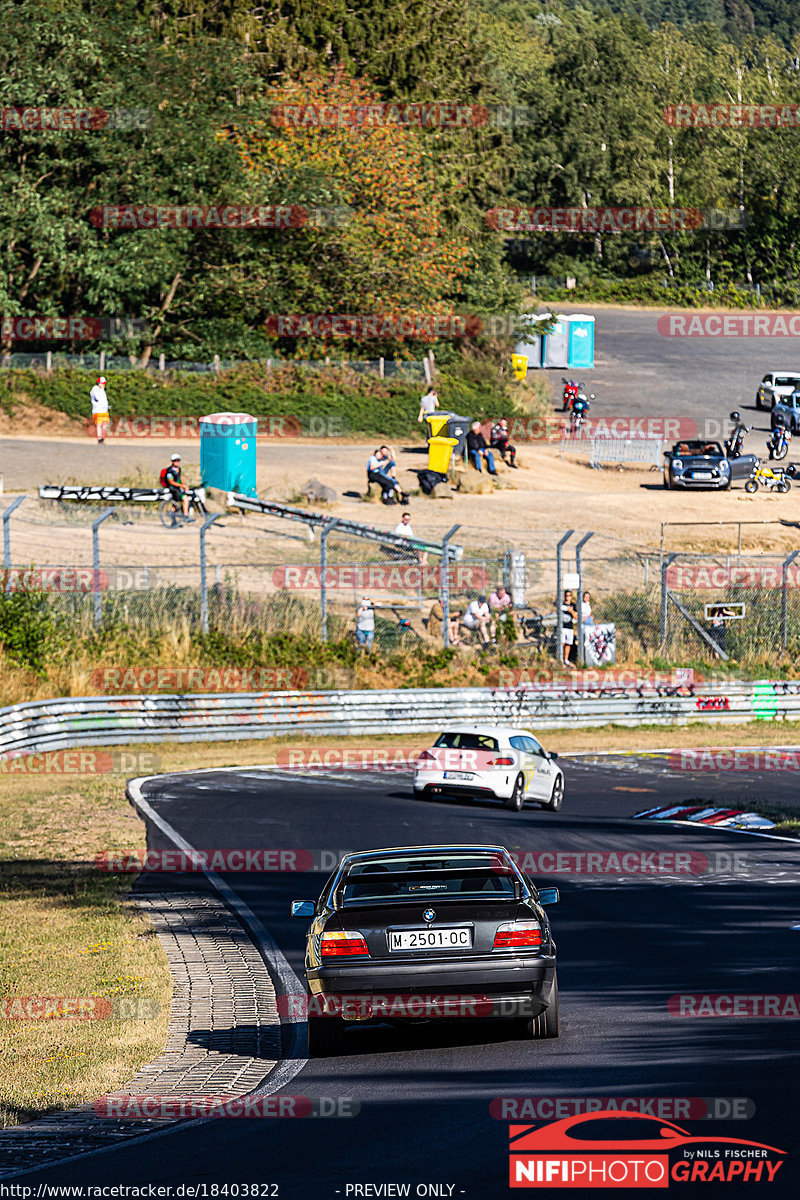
496, 761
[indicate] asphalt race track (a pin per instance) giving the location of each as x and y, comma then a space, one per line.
626, 944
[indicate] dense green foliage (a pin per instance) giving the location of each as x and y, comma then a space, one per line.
593, 80
28, 627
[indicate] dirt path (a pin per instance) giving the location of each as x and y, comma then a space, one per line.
547, 494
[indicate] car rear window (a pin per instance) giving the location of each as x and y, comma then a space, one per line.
466, 741
787, 381
422, 880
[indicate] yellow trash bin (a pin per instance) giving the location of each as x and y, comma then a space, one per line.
519, 365
436, 423
440, 451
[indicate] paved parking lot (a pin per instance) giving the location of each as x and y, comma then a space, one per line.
641, 372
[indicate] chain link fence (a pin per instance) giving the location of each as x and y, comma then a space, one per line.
48, 361
248, 572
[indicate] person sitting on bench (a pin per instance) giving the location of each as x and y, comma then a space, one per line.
478, 449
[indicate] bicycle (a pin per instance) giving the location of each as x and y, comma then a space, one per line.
171, 512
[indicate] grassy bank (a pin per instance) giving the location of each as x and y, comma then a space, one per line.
331, 402
69, 931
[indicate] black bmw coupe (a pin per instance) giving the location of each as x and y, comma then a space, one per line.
419, 933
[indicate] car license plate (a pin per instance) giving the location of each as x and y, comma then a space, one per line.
430, 939
458, 775
702, 475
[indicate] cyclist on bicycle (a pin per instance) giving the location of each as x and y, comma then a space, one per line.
171, 478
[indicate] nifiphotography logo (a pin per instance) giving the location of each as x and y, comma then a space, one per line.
613, 1149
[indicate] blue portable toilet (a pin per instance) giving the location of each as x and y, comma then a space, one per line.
555, 345
228, 452
581, 340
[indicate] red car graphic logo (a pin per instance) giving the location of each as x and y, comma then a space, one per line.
585, 1151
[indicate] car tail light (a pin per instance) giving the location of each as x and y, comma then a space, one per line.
426, 756
500, 762
340, 943
517, 933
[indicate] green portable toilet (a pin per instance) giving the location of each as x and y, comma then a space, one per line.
228, 452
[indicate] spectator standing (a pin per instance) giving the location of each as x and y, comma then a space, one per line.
498, 439
479, 618
719, 628
365, 625
569, 618
586, 610
478, 449
427, 407
99, 401
502, 609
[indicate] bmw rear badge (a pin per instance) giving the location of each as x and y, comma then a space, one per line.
429, 914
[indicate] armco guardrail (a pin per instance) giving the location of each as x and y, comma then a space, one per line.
101, 720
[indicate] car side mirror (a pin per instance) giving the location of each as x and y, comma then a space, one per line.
552, 754
303, 908
548, 895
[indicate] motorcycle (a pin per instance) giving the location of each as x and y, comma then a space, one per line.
773, 480
734, 445
580, 411
778, 442
571, 389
